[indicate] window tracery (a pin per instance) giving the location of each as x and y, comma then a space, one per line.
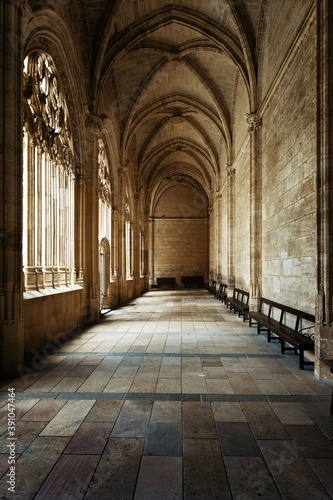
49, 176
107, 268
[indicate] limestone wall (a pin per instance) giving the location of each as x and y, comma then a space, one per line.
180, 235
279, 35
289, 182
242, 220
51, 316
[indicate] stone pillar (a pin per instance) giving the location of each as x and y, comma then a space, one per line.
79, 232
92, 278
231, 229
11, 173
122, 278
218, 225
137, 243
151, 251
254, 121
324, 309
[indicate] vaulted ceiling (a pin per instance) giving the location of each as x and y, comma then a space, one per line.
166, 74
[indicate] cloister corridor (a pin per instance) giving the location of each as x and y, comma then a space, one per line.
169, 397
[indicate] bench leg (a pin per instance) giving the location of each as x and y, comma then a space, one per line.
301, 359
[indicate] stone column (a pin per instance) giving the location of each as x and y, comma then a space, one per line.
137, 243
79, 232
324, 309
231, 229
92, 278
11, 173
218, 225
151, 251
254, 121
122, 279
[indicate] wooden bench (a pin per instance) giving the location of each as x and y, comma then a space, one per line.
212, 287
273, 317
330, 364
239, 302
192, 281
221, 293
166, 282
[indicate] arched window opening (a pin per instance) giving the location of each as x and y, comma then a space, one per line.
48, 176
128, 242
105, 221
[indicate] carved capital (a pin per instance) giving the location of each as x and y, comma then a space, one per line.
254, 121
122, 171
231, 171
93, 123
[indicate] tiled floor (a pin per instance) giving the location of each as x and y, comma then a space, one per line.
170, 397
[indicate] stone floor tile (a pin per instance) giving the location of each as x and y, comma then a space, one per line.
270, 387
215, 372
92, 360
163, 439
68, 384
133, 419
145, 383
60, 483
166, 411
89, 439
43, 411
96, 382
292, 384
237, 439
82, 370
243, 383
323, 467
311, 441
228, 412
34, 465
159, 478
198, 420
193, 383
219, 386
294, 477
233, 365
250, 478
204, 472
170, 372
25, 433
169, 386
104, 411
109, 364
263, 420
118, 385
291, 414
68, 419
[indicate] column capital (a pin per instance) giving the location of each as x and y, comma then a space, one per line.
231, 171
93, 123
254, 121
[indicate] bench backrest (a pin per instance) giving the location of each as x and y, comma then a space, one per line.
241, 295
284, 314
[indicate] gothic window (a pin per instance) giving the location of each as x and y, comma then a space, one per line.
105, 218
128, 241
48, 176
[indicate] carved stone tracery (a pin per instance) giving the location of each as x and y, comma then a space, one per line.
46, 114
254, 121
104, 175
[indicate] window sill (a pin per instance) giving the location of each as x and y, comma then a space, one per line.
36, 294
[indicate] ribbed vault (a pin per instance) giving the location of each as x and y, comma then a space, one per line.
167, 77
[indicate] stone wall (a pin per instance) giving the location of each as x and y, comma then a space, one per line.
180, 234
289, 182
242, 220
